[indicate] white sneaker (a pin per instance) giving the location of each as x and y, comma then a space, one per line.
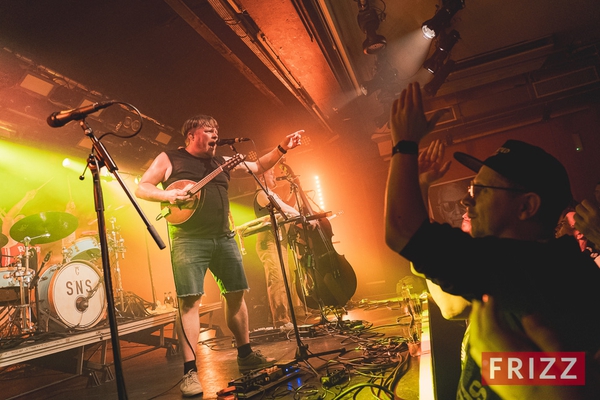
191, 385
288, 326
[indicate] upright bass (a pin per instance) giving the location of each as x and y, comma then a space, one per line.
327, 277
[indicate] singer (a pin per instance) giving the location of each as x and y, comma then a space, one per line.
205, 239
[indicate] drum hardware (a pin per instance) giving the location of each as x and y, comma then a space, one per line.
115, 239
23, 275
65, 255
39, 228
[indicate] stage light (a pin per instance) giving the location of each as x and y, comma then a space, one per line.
385, 76
439, 78
445, 44
371, 86
66, 163
441, 20
368, 21
106, 176
319, 193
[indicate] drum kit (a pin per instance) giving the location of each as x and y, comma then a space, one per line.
67, 296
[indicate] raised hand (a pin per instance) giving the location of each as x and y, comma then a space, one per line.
431, 167
587, 221
292, 140
408, 121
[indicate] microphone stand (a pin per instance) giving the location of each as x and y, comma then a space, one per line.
98, 158
302, 353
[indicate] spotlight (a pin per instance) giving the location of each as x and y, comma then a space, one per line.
385, 76
368, 21
439, 78
441, 20
445, 44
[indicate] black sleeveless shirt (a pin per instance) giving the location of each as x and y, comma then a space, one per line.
211, 218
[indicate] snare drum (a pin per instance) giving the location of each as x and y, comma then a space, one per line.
85, 248
10, 282
11, 277
71, 294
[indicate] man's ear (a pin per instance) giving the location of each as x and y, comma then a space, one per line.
530, 205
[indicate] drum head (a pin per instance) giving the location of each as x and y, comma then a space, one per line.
74, 294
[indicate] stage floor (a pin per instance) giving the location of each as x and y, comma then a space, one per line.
372, 334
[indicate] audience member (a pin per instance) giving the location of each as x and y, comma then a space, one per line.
431, 169
489, 334
587, 220
514, 203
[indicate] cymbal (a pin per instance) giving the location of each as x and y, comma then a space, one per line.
45, 227
3, 240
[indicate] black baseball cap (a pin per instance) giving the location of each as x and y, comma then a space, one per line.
530, 167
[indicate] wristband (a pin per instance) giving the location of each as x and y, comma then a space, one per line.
405, 147
281, 149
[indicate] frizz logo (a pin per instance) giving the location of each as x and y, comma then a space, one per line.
533, 368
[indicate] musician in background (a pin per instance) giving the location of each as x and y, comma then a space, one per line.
13, 249
205, 240
266, 248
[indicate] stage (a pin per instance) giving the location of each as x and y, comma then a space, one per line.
367, 351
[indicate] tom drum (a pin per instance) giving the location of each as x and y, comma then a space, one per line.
71, 296
85, 248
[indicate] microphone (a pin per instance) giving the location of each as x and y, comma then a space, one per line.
47, 258
36, 278
221, 142
281, 178
60, 118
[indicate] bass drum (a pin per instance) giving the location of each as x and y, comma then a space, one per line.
71, 296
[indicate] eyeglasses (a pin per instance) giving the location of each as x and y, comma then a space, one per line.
451, 206
473, 185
